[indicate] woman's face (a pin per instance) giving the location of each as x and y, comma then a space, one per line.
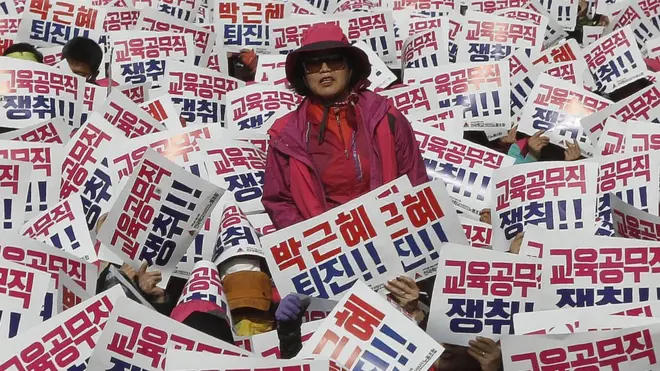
327, 76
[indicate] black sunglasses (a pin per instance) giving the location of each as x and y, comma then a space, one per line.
315, 64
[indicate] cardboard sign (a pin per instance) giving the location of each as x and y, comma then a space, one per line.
465, 167
92, 101
591, 34
377, 29
642, 106
631, 348
641, 136
563, 52
477, 292
238, 167
267, 344
448, 120
256, 107
137, 93
8, 30
419, 222
82, 324
127, 116
182, 201
271, 69
164, 111
8, 8
381, 76
48, 23
22, 294
202, 247
565, 12
205, 284
34, 92
478, 234
131, 320
218, 60
537, 16
199, 92
613, 138
561, 195
300, 7
412, 100
48, 131
46, 160
15, 179
69, 293
615, 60
245, 24
522, 76
178, 360
353, 235
630, 222
120, 19
141, 56
365, 331
633, 177
642, 27
427, 7
237, 237
153, 20
183, 10
261, 223
64, 227
653, 48
482, 90
556, 107
490, 38
426, 49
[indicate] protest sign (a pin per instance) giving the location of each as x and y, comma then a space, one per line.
137, 233
642, 106
631, 349
353, 235
556, 107
153, 20
633, 16
615, 60
14, 184
641, 136
256, 107
199, 92
8, 8
179, 9
563, 52
238, 167
261, 223
533, 13
300, 7
141, 56
55, 22
412, 100
48, 131
318, 309
490, 38
136, 93
8, 31
591, 34
478, 234
653, 47
82, 325
425, 49
419, 222
267, 344
477, 292
64, 227
481, 90
237, 237
127, 116
69, 293
202, 247
565, 12
46, 160
205, 284
633, 177
357, 334
243, 24
630, 222
613, 138
164, 111
342, 6
178, 360
428, 7
34, 92
22, 293
448, 120
120, 19
491, 6
561, 195
374, 28
115, 277
465, 167
92, 101
522, 76
134, 322
381, 76
271, 69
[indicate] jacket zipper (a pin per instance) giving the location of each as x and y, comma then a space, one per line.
341, 134
356, 158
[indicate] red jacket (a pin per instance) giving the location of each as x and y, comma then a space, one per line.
293, 191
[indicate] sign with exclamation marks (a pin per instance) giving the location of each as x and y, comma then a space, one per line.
14, 185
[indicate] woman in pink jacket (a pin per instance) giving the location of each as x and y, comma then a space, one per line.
342, 141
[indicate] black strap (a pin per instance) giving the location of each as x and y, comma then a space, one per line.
391, 120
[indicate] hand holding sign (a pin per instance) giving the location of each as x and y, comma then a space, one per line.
148, 282
405, 292
572, 151
487, 353
536, 143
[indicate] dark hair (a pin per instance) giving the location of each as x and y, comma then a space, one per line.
359, 73
84, 50
24, 48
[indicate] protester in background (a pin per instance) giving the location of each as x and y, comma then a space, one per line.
536, 148
342, 141
84, 57
24, 51
243, 65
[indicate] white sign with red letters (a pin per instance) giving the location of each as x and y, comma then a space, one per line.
179, 360
14, 184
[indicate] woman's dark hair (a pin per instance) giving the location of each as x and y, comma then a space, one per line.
358, 73
84, 50
24, 48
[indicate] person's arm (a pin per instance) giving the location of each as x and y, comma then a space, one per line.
515, 152
289, 323
408, 156
276, 198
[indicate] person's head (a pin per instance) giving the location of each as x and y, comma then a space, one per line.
456, 357
326, 66
84, 57
24, 51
